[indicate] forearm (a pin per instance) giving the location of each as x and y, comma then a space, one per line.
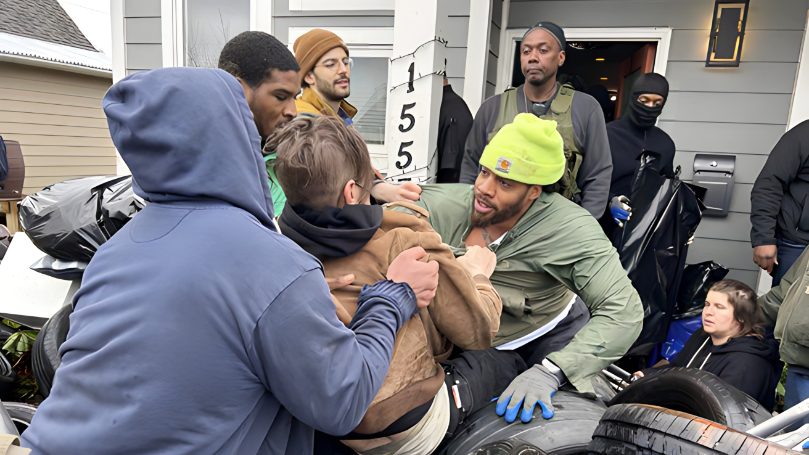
614, 325
325, 374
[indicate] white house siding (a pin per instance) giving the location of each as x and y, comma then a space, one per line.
56, 117
741, 111
142, 35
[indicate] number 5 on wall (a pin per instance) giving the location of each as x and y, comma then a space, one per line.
406, 116
405, 154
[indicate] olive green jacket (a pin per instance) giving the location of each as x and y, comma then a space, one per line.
787, 307
555, 250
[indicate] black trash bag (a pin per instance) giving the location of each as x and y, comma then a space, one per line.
57, 268
654, 241
694, 285
71, 219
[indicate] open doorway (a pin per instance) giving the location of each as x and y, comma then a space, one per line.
604, 69
602, 62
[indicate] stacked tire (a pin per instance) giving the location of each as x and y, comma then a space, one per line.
644, 429
695, 392
45, 353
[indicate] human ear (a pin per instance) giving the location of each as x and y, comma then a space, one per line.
348, 193
310, 78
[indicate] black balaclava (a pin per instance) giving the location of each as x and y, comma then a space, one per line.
643, 116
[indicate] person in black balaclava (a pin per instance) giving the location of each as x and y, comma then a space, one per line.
631, 135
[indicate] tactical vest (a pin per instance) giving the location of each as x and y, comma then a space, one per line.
560, 113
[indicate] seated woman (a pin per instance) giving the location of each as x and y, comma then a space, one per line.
730, 343
325, 170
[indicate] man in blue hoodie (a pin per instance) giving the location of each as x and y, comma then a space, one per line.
199, 329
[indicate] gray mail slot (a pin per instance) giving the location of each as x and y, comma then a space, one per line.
715, 172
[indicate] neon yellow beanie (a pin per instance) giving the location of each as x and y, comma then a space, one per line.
528, 150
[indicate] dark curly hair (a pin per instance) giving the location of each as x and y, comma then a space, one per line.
252, 56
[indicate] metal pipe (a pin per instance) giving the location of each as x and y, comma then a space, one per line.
781, 421
616, 370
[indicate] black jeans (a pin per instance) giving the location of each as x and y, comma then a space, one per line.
477, 377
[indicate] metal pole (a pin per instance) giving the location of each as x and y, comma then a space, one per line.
781, 421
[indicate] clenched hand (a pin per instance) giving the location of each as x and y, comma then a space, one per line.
422, 276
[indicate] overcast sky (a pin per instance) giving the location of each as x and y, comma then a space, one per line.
93, 19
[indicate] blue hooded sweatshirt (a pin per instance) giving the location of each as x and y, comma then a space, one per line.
199, 329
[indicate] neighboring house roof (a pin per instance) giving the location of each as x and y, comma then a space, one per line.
43, 20
32, 48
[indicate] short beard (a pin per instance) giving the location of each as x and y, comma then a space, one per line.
326, 88
484, 220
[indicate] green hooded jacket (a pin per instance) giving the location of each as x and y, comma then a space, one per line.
787, 307
278, 196
555, 250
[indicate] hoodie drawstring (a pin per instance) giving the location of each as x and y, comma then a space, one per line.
697, 353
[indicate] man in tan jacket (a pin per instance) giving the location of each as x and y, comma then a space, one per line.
324, 169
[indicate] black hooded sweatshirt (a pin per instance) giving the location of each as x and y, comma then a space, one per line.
750, 364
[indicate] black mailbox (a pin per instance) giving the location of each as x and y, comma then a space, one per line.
715, 173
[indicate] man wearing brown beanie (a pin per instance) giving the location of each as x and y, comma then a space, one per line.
325, 75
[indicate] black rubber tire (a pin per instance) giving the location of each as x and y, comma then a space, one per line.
643, 429
509, 447
21, 414
603, 388
568, 432
696, 392
45, 353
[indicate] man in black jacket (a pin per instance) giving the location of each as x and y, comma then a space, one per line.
779, 206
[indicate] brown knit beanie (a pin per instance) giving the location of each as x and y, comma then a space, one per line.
312, 45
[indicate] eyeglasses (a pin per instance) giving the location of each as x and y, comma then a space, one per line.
333, 64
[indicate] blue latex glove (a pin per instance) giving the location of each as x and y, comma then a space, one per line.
619, 215
535, 386
620, 209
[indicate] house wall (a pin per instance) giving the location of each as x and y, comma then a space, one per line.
741, 111
494, 47
142, 35
56, 117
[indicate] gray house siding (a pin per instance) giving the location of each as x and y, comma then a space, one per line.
494, 47
741, 111
142, 35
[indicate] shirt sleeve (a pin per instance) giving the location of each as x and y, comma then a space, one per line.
325, 374
595, 172
771, 302
780, 170
592, 270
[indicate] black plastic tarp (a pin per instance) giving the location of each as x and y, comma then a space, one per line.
697, 279
654, 241
71, 219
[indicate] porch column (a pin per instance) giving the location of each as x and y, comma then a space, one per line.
477, 53
415, 84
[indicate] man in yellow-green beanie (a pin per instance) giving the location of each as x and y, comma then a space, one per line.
569, 309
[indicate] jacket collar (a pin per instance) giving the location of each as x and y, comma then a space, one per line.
311, 97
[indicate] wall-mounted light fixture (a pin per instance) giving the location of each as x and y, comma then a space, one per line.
727, 32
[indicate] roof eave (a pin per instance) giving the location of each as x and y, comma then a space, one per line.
33, 61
